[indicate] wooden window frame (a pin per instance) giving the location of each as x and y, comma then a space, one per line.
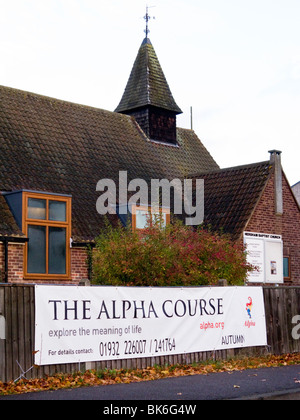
47, 223
149, 210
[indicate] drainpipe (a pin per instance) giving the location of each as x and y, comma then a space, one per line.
275, 161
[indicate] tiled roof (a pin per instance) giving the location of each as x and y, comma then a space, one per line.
231, 195
8, 226
56, 146
147, 84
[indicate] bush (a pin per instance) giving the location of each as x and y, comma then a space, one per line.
174, 256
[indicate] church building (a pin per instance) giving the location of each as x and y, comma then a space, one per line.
53, 154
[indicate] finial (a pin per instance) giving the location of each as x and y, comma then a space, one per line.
147, 18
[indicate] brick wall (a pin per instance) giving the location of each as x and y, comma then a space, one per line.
79, 266
15, 262
265, 220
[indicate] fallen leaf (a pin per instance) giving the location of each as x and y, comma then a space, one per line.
109, 377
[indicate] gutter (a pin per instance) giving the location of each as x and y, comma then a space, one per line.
6, 240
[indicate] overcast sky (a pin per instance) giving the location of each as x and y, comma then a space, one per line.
236, 62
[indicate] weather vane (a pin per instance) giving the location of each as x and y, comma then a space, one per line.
147, 18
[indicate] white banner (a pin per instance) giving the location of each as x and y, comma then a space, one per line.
81, 324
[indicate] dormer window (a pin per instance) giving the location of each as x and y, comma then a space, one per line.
45, 219
140, 216
47, 224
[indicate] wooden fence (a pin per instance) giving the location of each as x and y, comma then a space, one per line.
17, 309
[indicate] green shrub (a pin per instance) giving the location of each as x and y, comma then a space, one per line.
174, 256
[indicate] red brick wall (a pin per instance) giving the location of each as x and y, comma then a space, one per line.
79, 267
15, 262
265, 220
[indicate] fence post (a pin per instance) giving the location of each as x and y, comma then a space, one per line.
86, 365
223, 283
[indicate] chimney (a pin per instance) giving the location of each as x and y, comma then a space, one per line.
275, 161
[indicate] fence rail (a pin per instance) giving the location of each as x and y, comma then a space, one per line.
17, 308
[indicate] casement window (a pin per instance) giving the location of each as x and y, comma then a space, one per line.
47, 224
143, 215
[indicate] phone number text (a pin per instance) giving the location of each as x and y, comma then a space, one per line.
136, 347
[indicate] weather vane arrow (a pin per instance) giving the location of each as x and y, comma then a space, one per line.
147, 18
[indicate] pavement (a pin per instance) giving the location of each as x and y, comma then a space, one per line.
280, 383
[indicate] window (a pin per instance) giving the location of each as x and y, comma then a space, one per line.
286, 268
142, 215
47, 224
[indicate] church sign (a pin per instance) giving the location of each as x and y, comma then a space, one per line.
265, 252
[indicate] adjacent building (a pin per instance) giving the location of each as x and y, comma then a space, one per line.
296, 191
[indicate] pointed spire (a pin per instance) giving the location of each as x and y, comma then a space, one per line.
147, 84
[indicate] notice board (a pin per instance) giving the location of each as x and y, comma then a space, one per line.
265, 251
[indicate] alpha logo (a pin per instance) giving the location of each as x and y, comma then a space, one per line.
249, 306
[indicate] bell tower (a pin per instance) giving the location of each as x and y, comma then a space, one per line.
147, 96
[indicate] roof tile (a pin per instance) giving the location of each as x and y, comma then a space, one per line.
147, 84
231, 195
61, 147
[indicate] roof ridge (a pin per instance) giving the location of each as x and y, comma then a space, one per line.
77, 104
51, 98
233, 168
